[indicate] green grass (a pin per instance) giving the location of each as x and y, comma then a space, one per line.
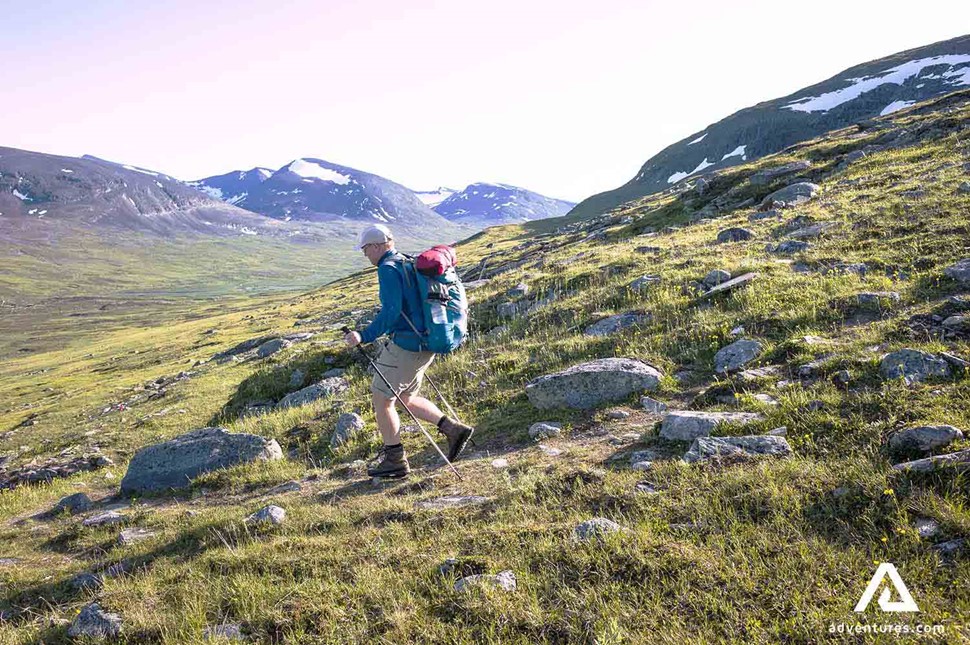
762, 551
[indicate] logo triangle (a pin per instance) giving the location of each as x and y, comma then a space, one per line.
905, 602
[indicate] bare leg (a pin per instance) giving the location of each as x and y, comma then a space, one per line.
388, 423
423, 408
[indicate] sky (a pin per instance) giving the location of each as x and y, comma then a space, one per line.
562, 97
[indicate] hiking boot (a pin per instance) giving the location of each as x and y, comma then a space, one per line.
458, 435
390, 462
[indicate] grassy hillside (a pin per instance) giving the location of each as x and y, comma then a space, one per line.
762, 550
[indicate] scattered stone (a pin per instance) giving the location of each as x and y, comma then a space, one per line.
518, 291
955, 361
500, 463
549, 451
174, 463
86, 582
644, 282
926, 527
959, 271
512, 309
616, 415
326, 387
761, 215
766, 176
653, 406
752, 375
877, 300
925, 438
686, 425
229, 631
913, 366
842, 379
959, 322
127, 537
451, 501
268, 515
956, 460
297, 377
792, 195
788, 247
504, 581
642, 465
767, 399
348, 424
269, 348
544, 430
291, 486
951, 548
736, 355
812, 232
715, 277
732, 284
76, 503
734, 234
616, 323
705, 448
964, 187
93, 622
647, 250
591, 384
781, 431
595, 529
118, 569
332, 372
104, 519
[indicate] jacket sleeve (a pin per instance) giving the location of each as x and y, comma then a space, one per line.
391, 287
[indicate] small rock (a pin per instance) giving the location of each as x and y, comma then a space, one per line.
76, 503
348, 425
687, 425
544, 430
268, 515
504, 581
644, 282
964, 187
736, 355
842, 378
614, 324
731, 284
326, 387
130, 536
512, 309
616, 415
104, 519
451, 501
705, 448
291, 486
297, 377
93, 622
518, 291
595, 529
269, 348
500, 463
956, 460
951, 548
766, 176
549, 451
642, 465
715, 277
792, 195
767, 399
781, 431
877, 300
735, 234
761, 215
646, 488
959, 271
593, 383
811, 232
959, 322
653, 406
913, 366
788, 247
925, 438
87, 582
926, 527
229, 631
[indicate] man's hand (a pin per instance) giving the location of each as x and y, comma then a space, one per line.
352, 339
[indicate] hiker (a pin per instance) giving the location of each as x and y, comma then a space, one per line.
401, 359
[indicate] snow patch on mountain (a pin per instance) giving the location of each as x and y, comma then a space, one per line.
677, 176
432, 198
698, 139
896, 75
896, 106
737, 152
311, 170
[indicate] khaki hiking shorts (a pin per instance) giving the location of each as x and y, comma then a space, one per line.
403, 369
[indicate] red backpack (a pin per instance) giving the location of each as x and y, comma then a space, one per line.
436, 260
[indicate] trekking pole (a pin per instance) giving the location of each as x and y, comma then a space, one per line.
346, 330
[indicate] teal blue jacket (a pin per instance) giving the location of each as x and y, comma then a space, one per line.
399, 295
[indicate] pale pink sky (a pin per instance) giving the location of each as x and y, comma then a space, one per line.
566, 98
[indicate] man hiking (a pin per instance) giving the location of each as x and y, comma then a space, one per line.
401, 359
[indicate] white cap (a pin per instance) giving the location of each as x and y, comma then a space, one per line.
374, 234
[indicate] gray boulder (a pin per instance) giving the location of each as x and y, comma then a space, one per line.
591, 384
736, 355
76, 503
715, 277
877, 300
87, 582
913, 366
734, 234
959, 271
504, 581
271, 347
544, 430
644, 282
595, 529
348, 424
271, 515
788, 247
705, 448
93, 622
958, 322
653, 406
326, 387
811, 232
792, 195
616, 323
685, 425
173, 464
730, 285
956, 460
297, 377
925, 438
127, 537
105, 519
766, 176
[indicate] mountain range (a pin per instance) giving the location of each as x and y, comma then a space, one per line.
862, 92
